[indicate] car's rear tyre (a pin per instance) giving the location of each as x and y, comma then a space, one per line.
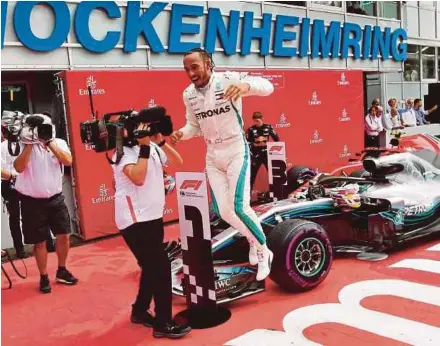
303, 254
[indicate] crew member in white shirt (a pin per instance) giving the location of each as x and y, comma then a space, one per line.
39, 183
10, 196
139, 206
408, 114
373, 127
391, 121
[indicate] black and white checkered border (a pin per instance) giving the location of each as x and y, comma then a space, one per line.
196, 291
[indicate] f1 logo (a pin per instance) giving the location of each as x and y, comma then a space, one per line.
276, 148
191, 184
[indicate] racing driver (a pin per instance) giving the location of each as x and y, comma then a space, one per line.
214, 108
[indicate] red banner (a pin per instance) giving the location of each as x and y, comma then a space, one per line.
319, 114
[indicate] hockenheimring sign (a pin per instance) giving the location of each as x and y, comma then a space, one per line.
336, 40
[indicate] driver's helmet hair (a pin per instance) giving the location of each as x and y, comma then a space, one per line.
346, 197
170, 183
307, 174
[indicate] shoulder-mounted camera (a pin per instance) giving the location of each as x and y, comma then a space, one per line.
116, 129
25, 128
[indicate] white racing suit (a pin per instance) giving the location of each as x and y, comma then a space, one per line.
227, 159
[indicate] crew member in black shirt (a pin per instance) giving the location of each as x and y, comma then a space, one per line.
257, 136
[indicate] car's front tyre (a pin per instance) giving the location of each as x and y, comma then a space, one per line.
303, 254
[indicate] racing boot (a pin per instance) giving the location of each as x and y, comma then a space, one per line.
265, 258
253, 257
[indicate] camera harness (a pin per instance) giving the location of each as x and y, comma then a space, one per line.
103, 133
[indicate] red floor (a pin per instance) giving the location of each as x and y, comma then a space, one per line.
95, 312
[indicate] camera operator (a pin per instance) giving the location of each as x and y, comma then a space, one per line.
139, 205
40, 167
10, 197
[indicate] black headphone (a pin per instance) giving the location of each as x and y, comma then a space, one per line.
205, 52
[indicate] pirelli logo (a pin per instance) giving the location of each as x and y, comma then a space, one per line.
191, 184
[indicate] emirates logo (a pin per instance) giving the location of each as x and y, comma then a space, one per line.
342, 80
344, 116
104, 196
283, 123
314, 101
91, 83
345, 152
103, 191
316, 139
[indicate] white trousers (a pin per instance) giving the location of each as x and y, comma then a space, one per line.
228, 170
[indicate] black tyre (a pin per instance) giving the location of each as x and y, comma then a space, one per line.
303, 254
297, 176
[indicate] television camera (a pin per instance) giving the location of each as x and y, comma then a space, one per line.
25, 128
116, 129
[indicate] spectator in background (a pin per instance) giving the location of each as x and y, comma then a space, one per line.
421, 113
411, 73
408, 115
391, 121
392, 103
355, 7
379, 112
376, 102
373, 127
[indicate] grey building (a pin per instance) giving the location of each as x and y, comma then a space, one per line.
27, 70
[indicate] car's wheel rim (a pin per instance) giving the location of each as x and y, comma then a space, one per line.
309, 257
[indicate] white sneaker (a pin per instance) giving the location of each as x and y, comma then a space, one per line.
253, 256
265, 258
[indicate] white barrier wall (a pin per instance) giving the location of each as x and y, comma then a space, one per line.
432, 129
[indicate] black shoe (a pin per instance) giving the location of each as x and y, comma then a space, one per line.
45, 284
144, 318
171, 331
65, 277
22, 254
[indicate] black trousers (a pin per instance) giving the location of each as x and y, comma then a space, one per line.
12, 202
145, 240
259, 157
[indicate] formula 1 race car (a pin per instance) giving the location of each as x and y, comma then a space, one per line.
388, 197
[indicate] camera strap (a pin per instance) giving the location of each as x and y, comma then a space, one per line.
119, 147
103, 134
17, 148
